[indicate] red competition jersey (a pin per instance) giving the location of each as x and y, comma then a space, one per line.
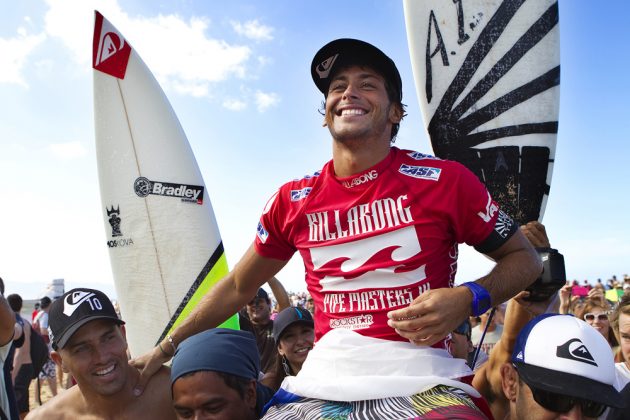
373, 242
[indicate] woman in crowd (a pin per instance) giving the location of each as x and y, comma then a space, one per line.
294, 335
596, 315
620, 323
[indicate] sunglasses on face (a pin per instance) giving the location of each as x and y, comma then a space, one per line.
591, 316
563, 403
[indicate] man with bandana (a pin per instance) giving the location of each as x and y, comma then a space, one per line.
216, 372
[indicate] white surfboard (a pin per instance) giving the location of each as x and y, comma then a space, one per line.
487, 75
163, 239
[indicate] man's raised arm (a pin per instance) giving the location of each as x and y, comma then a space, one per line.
223, 300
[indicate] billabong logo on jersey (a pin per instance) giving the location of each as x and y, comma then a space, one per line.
357, 220
297, 195
74, 300
323, 69
349, 266
189, 193
110, 50
361, 179
422, 172
262, 233
421, 156
574, 349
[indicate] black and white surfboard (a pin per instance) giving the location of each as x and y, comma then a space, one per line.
487, 75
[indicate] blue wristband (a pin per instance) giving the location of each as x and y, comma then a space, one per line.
481, 298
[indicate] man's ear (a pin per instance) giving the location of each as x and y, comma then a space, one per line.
250, 394
56, 357
395, 114
509, 381
123, 331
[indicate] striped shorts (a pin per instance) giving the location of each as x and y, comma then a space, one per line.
440, 402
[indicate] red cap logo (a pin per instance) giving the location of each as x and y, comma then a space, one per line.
110, 51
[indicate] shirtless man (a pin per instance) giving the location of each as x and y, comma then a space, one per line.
89, 343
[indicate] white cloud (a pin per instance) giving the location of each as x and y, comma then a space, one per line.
265, 100
253, 29
179, 52
234, 104
13, 55
67, 151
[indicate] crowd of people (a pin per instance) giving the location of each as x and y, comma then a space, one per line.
384, 331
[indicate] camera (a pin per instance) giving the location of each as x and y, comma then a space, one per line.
552, 278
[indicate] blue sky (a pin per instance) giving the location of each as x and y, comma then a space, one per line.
237, 75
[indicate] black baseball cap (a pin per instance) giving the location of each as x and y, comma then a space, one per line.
75, 309
343, 52
288, 317
262, 294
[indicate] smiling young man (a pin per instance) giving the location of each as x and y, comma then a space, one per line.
378, 229
89, 343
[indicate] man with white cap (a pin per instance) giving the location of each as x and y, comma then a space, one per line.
560, 368
89, 343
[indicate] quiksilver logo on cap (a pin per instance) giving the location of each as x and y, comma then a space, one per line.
324, 68
74, 300
574, 349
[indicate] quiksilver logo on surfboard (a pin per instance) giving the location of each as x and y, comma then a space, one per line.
110, 50
188, 193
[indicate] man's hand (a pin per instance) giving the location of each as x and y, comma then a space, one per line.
565, 298
532, 308
148, 364
536, 233
432, 315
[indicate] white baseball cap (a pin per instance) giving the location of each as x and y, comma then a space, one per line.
565, 355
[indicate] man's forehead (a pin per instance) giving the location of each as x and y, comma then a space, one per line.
96, 327
362, 70
257, 300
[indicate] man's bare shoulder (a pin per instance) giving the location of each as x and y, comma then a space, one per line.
156, 399
66, 405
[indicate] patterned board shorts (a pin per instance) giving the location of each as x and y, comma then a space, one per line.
48, 370
440, 402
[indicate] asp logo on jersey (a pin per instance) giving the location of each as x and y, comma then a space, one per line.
422, 172
188, 193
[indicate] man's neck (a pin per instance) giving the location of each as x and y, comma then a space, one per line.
350, 157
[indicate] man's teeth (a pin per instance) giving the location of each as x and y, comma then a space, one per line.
352, 112
105, 371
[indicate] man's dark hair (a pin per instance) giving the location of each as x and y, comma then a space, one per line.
237, 383
1, 286
45, 302
15, 302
